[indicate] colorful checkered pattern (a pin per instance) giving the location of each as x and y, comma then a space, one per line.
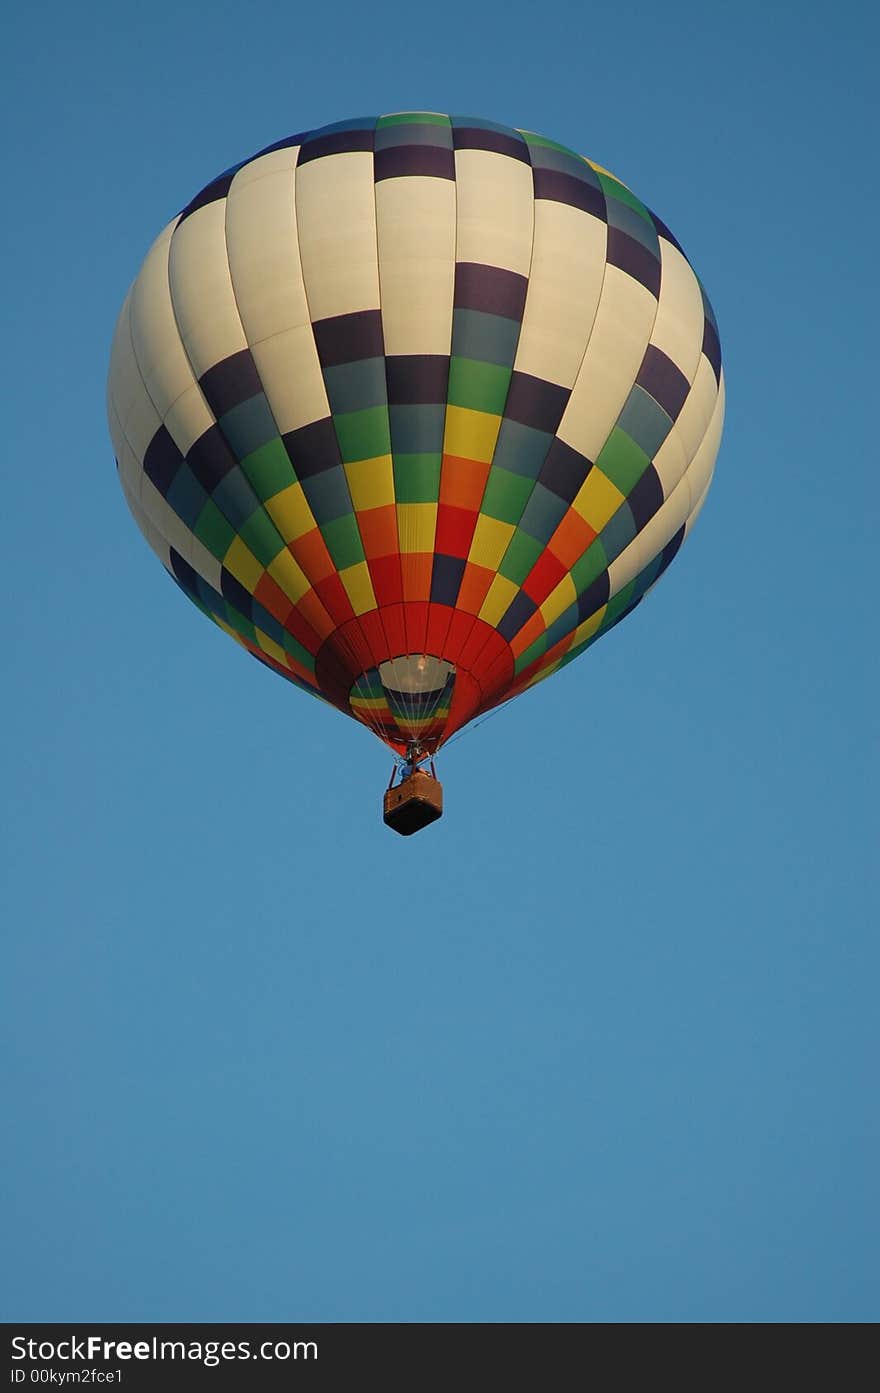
412, 387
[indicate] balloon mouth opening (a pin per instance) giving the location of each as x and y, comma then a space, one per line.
406, 699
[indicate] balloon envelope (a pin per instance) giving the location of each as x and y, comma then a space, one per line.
415, 408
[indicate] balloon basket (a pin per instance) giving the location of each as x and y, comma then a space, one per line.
413, 804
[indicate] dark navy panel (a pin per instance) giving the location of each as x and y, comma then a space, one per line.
401, 160
491, 289
162, 460
313, 448
235, 593
336, 142
518, 613
446, 579
345, 338
571, 189
231, 381
665, 382
594, 597
646, 497
414, 379
712, 347
500, 142
533, 402
210, 458
630, 256
564, 470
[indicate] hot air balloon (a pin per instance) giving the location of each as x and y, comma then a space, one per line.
415, 408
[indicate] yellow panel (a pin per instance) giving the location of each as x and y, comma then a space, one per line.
290, 512
358, 587
501, 594
269, 646
600, 169
293, 581
588, 628
241, 561
598, 499
471, 434
490, 541
558, 601
416, 526
371, 482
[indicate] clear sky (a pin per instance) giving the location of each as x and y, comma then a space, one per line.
602, 1044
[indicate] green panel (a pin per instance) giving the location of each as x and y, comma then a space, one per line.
417, 478
479, 386
269, 469
293, 646
521, 555
533, 139
262, 536
363, 434
506, 495
213, 530
622, 460
343, 541
238, 622
534, 650
618, 603
589, 566
407, 118
612, 189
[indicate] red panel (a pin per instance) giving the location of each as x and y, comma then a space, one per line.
386, 578
416, 567
463, 482
416, 622
312, 611
310, 552
571, 538
378, 529
455, 530
439, 619
333, 596
544, 577
395, 628
474, 588
272, 597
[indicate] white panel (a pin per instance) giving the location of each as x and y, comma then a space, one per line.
678, 328
565, 281
188, 418
291, 376
695, 415
164, 365
614, 355
699, 473
274, 163
205, 563
336, 218
201, 289
123, 378
495, 207
415, 217
264, 260
670, 461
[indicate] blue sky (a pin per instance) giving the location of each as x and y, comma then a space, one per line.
601, 1045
